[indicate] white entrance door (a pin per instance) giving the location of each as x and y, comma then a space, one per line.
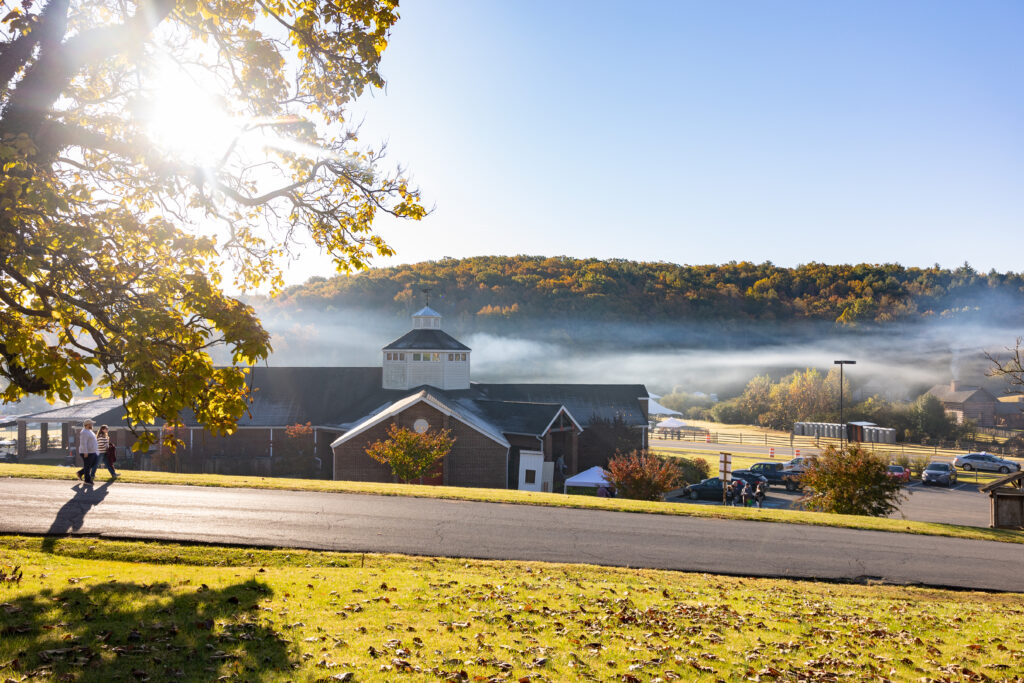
531, 470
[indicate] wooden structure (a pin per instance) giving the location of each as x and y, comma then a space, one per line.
1007, 498
964, 402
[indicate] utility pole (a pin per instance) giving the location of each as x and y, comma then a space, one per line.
842, 425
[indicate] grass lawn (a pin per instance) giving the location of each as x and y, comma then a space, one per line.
533, 498
95, 610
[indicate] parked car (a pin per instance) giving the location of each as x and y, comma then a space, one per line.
772, 471
798, 464
939, 473
708, 489
753, 477
901, 474
985, 462
793, 470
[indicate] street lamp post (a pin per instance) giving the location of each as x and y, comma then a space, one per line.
842, 425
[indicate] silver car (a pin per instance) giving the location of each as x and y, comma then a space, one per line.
985, 462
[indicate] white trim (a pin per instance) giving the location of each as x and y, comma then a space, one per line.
420, 397
571, 418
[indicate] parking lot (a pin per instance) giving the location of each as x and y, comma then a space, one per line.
962, 504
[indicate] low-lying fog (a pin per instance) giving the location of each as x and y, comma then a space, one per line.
899, 361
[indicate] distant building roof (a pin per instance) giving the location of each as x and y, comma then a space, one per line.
426, 340
108, 411
961, 394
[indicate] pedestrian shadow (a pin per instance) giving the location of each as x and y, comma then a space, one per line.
71, 515
127, 631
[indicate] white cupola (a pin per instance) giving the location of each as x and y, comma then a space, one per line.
426, 355
426, 319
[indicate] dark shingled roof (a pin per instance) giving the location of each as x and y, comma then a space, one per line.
586, 402
518, 418
944, 392
107, 411
427, 340
344, 397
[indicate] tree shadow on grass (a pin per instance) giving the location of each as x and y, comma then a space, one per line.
71, 515
135, 632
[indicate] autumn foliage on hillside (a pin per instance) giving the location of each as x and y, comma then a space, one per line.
535, 286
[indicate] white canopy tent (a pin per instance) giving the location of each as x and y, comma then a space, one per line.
670, 423
595, 476
655, 408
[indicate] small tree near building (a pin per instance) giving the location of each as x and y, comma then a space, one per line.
641, 475
294, 455
851, 481
409, 454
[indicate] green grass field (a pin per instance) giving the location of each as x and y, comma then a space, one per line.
93, 610
533, 498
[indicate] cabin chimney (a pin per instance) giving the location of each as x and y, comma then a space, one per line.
954, 385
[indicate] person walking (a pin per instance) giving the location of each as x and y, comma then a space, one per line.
88, 448
748, 494
106, 450
760, 493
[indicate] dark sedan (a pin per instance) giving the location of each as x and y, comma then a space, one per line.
709, 489
939, 474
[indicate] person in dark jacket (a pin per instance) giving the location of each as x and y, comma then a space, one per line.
748, 494
760, 493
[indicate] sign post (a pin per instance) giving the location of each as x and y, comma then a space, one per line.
725, 471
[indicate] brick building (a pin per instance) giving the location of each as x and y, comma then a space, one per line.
520, 436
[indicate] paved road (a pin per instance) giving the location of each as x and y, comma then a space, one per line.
484, 530
962, 504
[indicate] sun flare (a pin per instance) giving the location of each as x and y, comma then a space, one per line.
190, 122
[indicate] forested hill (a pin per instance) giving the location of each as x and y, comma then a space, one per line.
500, 287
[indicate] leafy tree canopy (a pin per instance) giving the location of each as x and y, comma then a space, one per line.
409, 454
493, 288
115, 226
851, 481
641, 475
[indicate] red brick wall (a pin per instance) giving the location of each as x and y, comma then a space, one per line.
475, 460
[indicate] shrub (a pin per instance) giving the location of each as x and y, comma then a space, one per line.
640, 475
409, 454
851, 481
692, 470
917, 466
729, 412
903, 460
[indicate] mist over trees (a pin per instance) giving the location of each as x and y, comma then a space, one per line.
810, 396
495, 288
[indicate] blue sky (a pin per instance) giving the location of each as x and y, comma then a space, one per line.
704, 132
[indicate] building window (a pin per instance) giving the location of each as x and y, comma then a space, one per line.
531, 476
